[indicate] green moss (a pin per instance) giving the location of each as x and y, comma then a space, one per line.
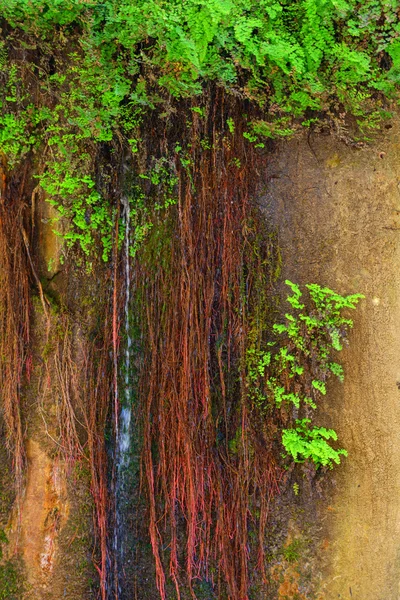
292, 551
11, 580
7, 497
204, 591
76, 538
235, 441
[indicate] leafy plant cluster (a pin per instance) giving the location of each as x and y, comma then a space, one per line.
19, 117
82, 114
293, 53
81, 75
293, 368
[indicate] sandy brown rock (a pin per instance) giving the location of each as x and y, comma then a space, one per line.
338, 213
45, 509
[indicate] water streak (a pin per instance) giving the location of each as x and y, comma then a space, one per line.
123, 433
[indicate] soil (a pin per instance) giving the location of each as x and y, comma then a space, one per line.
337, 210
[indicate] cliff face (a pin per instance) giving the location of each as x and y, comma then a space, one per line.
337, 209
156, 398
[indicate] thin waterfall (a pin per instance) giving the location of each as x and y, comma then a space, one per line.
123, 432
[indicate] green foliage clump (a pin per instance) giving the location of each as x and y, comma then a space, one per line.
294, 53
110, 65
305, 443
19, 117
293, 368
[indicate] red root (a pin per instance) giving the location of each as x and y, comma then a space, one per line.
194, 384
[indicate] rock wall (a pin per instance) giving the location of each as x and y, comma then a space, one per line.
337, 210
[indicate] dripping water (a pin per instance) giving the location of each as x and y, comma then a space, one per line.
123, 430
124, 433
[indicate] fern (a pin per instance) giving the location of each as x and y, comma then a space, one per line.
293, 367
125, 59
304, 443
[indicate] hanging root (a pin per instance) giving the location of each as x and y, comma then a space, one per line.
77, 372
14, 317
209, 466
97, 394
